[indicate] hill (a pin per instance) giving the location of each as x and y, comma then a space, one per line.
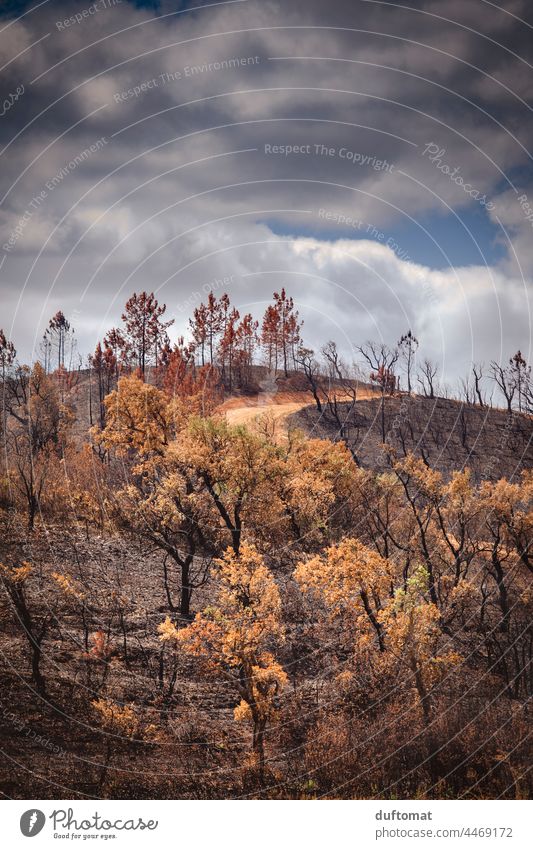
446, 433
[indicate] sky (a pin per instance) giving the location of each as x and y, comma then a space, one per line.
372, 157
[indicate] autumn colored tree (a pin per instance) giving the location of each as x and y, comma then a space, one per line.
254, 489
378, 512
396, 633
270, 336
104, 365
145, 331
164, 507
139, 419
38, 428
116, 342
78, 487
506, 566
353, 580
214, 322
198, 327
316, 490
160, 503
500, 501
218, 338
175, 364
123, 729
237, 470
289, 326
237, 639
445, 530
510, 505
417, 648
228, 345
281, 331
245, 344
197, 388
14, 578
423, 490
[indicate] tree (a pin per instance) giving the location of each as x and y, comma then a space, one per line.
416, 645
315, 489
305, 358
354, 581
161, 507
521, 378
270, 336
237, 638
444, 532
139, 419
246, 340
215, 333
37, 433
197, 388
289, 327
7, 354
280, 332
506, 545
341, 393
145, 331
237, 470
426, 378
14, 578
466, 391
159, 502
58, 337
357, 585
408, 346
214, 322
504, 378
120, 348
227, 348
104, 365
422, 489
198, 327
477, 372
7, 359
381, 360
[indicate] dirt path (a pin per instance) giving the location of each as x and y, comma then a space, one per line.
277, 407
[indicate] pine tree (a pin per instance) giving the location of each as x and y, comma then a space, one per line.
145, 331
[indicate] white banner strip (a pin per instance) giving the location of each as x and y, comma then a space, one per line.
257, 824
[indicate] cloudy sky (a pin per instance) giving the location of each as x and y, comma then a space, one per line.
373, 157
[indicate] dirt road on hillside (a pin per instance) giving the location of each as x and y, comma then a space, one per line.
276, 407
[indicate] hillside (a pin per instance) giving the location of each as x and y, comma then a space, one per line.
446, 433
377, 630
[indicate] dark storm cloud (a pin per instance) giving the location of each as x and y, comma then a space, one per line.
197, 111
